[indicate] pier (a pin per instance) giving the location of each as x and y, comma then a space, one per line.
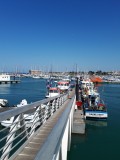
10, 81
47, 135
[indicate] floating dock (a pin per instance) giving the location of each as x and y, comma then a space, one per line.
78, 122
10, 81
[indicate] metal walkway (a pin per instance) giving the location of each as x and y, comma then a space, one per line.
37, 140
49, 135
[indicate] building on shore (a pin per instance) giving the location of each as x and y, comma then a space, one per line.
35, 72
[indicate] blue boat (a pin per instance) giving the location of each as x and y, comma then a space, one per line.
95, 109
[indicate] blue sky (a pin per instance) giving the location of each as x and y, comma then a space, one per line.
37, 34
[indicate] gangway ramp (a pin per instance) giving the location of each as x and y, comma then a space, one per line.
42, 136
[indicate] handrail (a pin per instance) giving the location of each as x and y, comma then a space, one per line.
53, 142
42, 111
18, 110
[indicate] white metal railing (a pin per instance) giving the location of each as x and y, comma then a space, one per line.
59, 140
24, 121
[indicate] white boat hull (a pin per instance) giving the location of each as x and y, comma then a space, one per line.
3, 102
94, 115
63, 87
52, 95
28, 121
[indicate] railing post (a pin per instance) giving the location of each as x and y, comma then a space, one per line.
52, 107
48, 110
58, 103
10, 138
35, 121
22, 123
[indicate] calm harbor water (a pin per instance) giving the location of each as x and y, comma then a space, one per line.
102, 139
30, 89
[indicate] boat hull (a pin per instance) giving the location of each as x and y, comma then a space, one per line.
96, 115
52, 95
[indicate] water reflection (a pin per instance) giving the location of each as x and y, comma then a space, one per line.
78, 139
5, 88
97, 123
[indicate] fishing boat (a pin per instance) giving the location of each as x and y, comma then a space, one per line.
87, 87
63, 85
87, 84
95, 109
96, 114
53, 91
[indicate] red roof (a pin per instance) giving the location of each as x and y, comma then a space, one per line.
53, 88
63, 82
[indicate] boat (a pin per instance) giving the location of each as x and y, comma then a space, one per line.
87, 87
10, 121
3, 102
53, 91
5, 77
95, 110
94, 107
22, 103
87, 84
35, 76
63, 85
96, 79
28, 117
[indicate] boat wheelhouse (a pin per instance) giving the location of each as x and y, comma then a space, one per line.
86, 84
53, 91
4, 77
63, 85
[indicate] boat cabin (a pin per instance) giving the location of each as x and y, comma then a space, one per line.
4, 77
86, 84
63, 85
53, 91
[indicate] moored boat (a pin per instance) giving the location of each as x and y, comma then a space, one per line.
36, 76
94, 107
5, 77
28, 117
96, 79
63, 85
3, 102
96, 115
53, 91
